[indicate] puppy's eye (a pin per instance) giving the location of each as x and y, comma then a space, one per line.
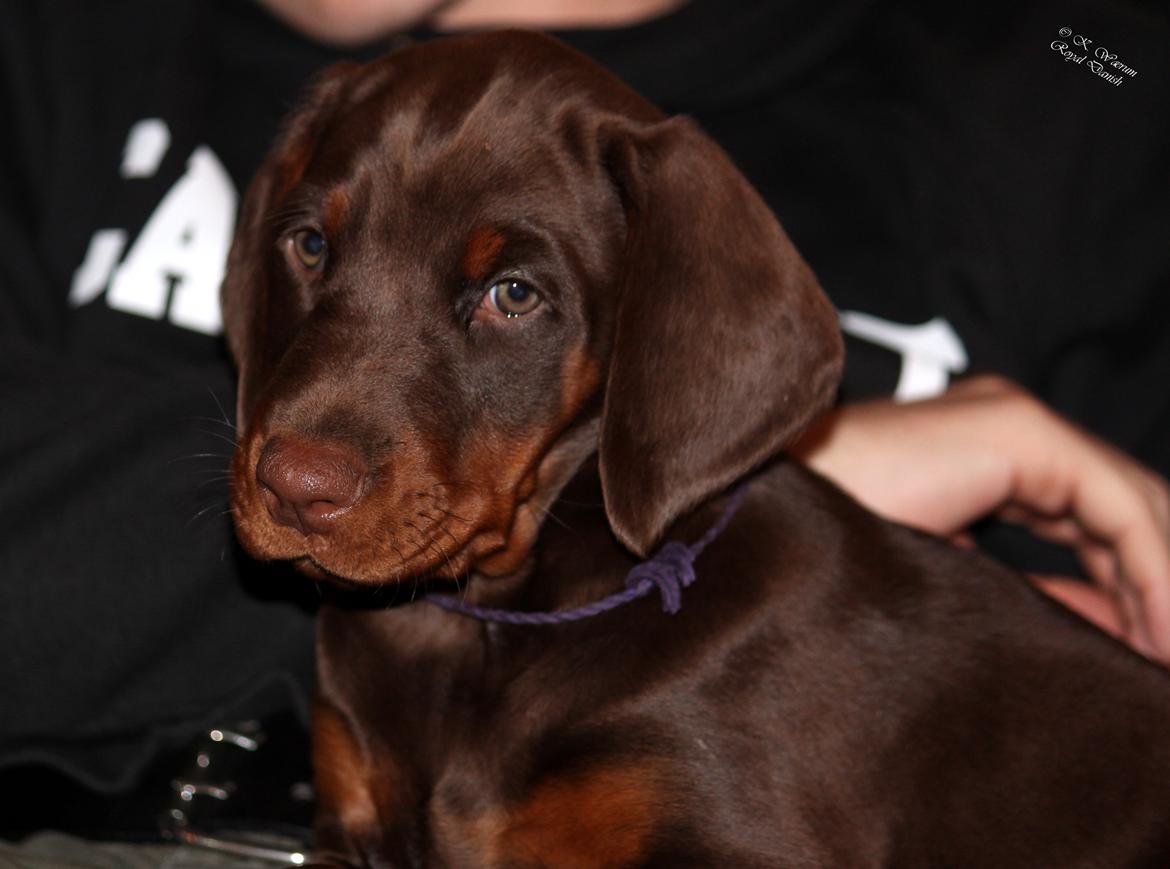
513, 298
310, 248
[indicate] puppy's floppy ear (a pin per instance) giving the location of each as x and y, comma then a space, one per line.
724, 344
244, 293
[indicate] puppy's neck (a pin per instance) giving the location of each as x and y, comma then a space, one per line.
576, 557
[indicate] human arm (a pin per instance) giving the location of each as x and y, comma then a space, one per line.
989, 448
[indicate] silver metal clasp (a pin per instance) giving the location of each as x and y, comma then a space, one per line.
255, 845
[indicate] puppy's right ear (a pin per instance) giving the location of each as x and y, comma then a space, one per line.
244, 294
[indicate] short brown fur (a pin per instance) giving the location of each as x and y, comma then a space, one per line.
835, 691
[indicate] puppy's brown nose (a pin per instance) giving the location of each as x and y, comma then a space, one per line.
309, 485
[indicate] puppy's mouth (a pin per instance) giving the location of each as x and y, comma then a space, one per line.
308, 567
333, 561
365, 549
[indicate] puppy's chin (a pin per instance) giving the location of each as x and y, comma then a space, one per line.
310, 569
336, 566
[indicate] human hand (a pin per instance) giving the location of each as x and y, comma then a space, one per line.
987, 447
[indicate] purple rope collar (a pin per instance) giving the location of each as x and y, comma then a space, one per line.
670, 570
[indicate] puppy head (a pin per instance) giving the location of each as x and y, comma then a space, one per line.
464, 268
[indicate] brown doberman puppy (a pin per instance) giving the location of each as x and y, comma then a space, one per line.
503, 326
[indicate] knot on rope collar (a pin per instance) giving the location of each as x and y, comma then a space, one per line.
671, 569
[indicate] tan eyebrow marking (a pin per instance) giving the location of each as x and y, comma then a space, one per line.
480, 255
336, 205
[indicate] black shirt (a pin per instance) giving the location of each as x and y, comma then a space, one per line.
971, 198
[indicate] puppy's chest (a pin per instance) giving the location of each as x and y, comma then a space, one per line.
596, 811
539, 758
